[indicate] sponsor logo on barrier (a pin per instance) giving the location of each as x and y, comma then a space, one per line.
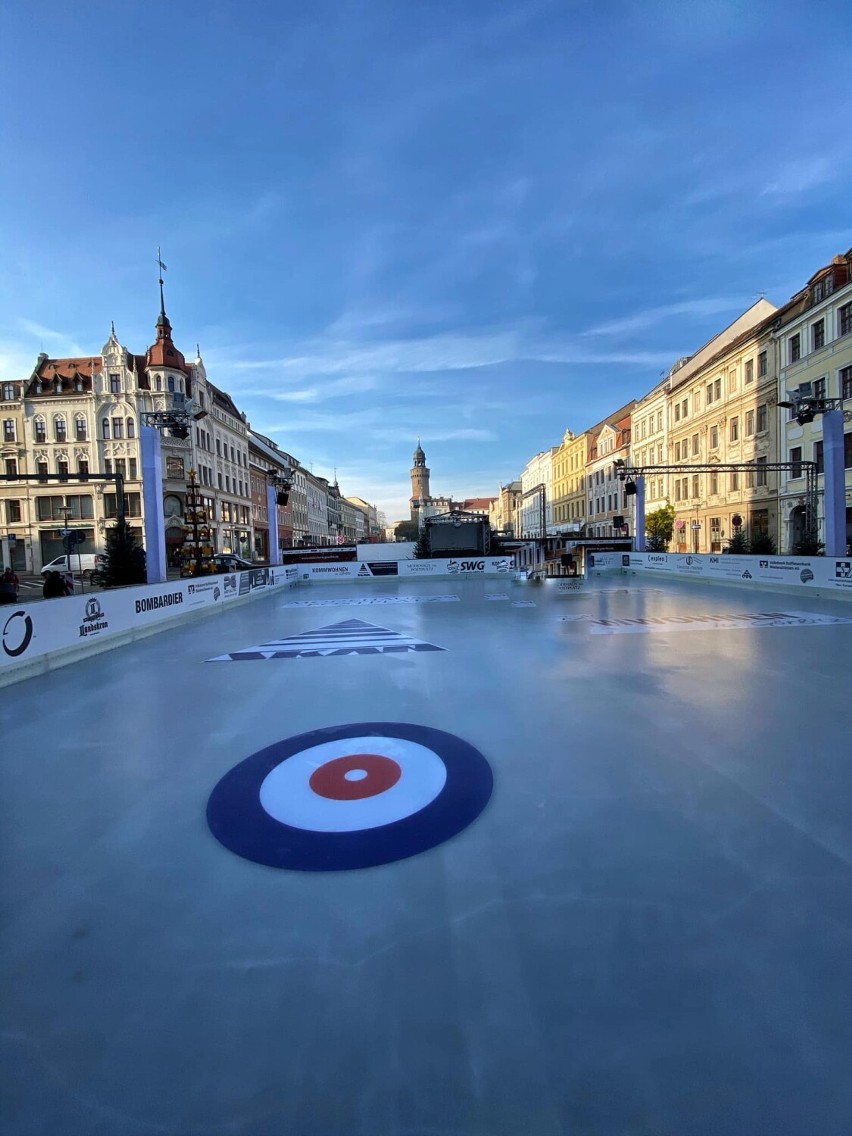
501, 565
843, 570
94, 621
17, 634
747, 575
205, 586
412, 568
155, 603
466, 566
714, 559
764, 564
291, 573
652, 559
331, 569
806, 575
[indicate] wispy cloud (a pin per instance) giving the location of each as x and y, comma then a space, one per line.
651, 317
335, 388
60, 340
804, 175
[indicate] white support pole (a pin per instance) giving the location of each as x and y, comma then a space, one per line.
152, 492
272, 509
639, 522
834, 483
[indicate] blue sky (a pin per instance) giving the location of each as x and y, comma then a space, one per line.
482, 223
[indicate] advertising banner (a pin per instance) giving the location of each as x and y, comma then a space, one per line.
28, 631
806, 572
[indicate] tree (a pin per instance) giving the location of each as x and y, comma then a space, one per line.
659, 527
406, 530
763, 545
124, 561
738, 545
422, 551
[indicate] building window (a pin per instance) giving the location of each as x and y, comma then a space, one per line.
83, 468
134, 470
696, 445
818, 334
81, 430
695, 485
105, 429
749, 423
131, 428
846, 382
115, 383
818, 457
13, 512
108, 465
761, 471
12, 467
732, 380
659, 419
709, 393
714, 437
714, 483
717, 389
59, 432
220, 480
171, 384
847, 451
41, 468
132, 505
121, 466
684, 408
761, 365
677, 412
796, 461
159, 380
761, 418
677, 489
819, 388
844, 319
8, 429
795, 348
8, 392
40, 431
677, 452
218, 448
735, 479
749, 371
118, 427
735, 429
62, 470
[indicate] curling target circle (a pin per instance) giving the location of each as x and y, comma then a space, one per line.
350, 796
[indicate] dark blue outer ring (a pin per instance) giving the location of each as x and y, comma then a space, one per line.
238, 820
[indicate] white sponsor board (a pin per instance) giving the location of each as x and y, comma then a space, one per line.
461, 566
51, 627
724, 622
807, 572
603, 561
368, 601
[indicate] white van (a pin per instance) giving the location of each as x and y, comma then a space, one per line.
83, 564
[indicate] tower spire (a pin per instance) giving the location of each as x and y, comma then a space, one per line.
162, 268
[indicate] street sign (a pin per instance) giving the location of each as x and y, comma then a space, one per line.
76, 537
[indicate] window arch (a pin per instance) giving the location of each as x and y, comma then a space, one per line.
131, 428
159, 382
39, 430
60, 430
171, 384
81, 428
105, 429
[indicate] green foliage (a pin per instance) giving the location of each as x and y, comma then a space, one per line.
763, 545
124, 561
406, 530
809, 546
421, 548
659, 527
738, 544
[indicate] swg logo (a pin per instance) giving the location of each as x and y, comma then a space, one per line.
17, 634
843, 569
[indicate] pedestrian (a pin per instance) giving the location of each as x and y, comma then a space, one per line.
54, 586
9, 587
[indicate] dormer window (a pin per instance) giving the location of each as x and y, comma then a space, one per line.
115, 383
8, 392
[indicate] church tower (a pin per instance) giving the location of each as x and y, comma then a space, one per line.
419, 481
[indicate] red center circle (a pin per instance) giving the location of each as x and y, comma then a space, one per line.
330, 779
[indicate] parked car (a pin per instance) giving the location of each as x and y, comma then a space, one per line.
85, 564
227, 562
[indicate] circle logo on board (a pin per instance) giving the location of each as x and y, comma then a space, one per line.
17, 633
350, 797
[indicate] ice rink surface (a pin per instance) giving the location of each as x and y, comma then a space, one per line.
647, 931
